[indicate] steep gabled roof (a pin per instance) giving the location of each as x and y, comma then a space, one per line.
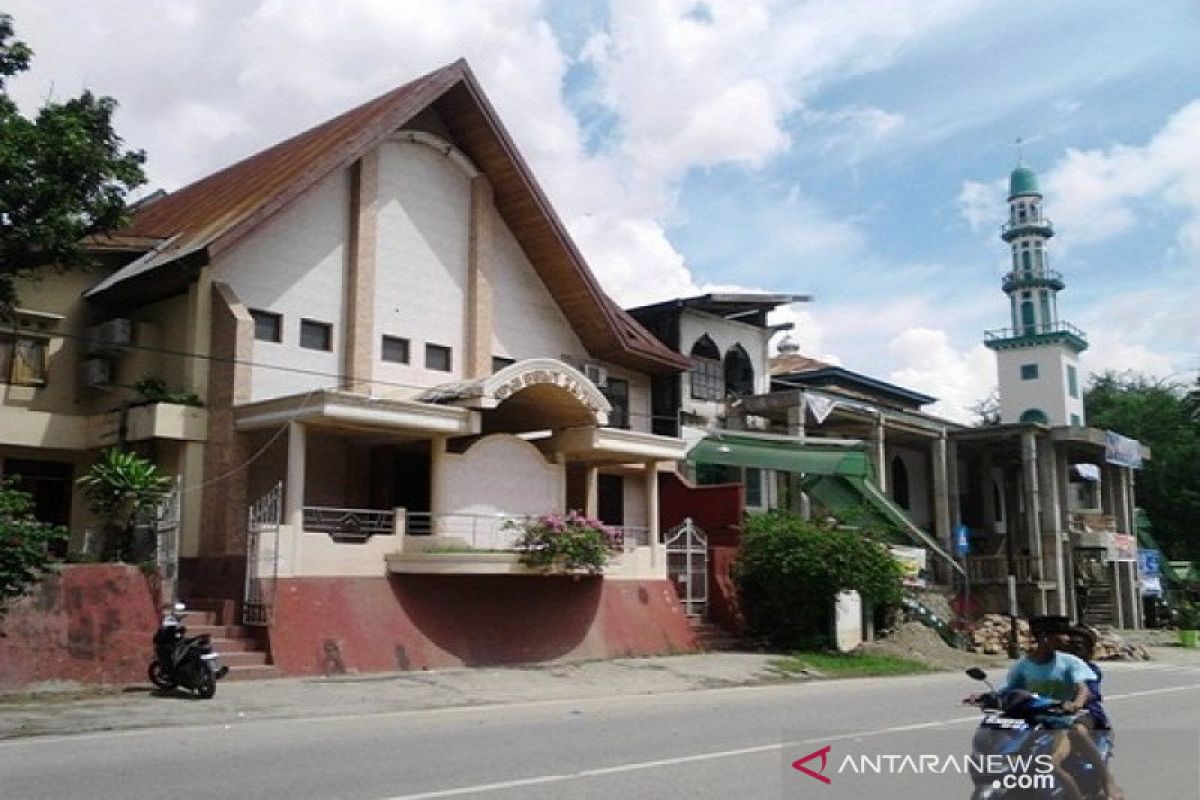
196, 223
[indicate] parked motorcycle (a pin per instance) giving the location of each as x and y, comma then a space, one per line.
184, 661
1021, 749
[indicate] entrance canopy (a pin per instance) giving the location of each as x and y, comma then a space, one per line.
782, 455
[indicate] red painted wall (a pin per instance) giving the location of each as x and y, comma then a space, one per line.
330, 625
91, 623
718, 511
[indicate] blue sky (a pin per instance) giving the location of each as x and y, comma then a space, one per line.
853, 149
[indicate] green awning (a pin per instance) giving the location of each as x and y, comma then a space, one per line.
837, 492
741, 451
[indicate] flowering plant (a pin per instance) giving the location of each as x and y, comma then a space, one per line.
569, 543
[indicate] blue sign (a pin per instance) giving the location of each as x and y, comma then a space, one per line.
1151, 562
962, 540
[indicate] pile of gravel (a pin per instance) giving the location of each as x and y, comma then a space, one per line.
915, 641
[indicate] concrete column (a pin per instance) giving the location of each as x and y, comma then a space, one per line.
952, 483
941, 494
477, 361
199, 333
1052, 515
1118, 600
988, 492
879, 440
359, 345
591, 490
657, 556
437, 463
191, 473
795, 418
293, 510
1029, 458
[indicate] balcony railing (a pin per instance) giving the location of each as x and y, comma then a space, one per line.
1024, 279
1012, 229
1035, 330
499, 532
995, 569
349, 524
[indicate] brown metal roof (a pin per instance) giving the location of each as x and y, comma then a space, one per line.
201, 220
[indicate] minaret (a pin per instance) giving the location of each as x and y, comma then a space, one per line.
1038, 357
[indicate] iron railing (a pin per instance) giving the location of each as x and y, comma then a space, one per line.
995, 569
349, 524
501, 531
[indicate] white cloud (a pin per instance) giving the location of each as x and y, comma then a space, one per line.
1100, 194
930, 364
982, 204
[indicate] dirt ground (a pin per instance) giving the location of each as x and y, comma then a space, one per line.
920, 643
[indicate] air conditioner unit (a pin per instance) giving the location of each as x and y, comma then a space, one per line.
96, 373
596, 374
114, 335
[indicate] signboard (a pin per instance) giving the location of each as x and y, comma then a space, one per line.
1122, 450
1123, 547
1150, 567
912, 562
962, 540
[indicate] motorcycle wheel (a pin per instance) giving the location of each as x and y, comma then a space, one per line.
207, 686
159, 676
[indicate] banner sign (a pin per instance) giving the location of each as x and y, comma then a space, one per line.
912, 562
1150, 567
1123, 548
1122, 450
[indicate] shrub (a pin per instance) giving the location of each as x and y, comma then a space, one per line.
568, 543
154, 390
122, 487
24, 543
788, 571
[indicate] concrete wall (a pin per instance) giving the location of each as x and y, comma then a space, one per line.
1048, 392
333, 625
920, 484
294, 265
89, 623
499, 474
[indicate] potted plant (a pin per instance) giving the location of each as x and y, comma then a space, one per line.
1187, 617
565, 543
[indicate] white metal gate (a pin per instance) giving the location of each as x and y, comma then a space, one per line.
262, 557
165, 527
687, 565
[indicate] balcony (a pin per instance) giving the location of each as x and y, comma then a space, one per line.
1028, 279
1029, 227
150, 421
1007, 338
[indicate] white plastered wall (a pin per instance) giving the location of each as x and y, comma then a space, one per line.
919, 483
499, 474
294, 265
725, 334
1048, 392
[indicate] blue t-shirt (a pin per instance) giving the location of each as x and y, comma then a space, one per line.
1056, 678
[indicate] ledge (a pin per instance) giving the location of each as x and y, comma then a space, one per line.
466, 563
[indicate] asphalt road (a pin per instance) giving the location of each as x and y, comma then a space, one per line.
723, 743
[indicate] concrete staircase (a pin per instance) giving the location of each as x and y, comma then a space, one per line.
237, 644
711, 637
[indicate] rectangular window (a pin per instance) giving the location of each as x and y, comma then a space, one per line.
617, 392
316, 335
1076, 421
500, 362
1072, 381
23, 359
437, 357
268, 327
754, 487
394, 349
1029, 372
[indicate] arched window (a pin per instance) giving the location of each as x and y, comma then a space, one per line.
1035, 415
1026, 260
708, 379
899, 483
739, 372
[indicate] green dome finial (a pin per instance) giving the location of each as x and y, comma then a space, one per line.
1023, 180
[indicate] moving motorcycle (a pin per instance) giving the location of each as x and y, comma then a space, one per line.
1023, 749
183, 661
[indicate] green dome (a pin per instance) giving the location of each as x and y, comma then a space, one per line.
1023, 181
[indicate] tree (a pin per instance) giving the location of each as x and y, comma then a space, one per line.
63, 176
24, 543
122, 487
1161, 414
987, 409
789, 570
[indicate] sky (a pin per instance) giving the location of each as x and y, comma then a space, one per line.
855, 150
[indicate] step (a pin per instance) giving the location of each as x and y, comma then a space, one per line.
222, 645
251, 672
243, 658
220, 631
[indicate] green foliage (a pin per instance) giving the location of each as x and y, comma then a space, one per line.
568, 543
789, 570
24, 542
154, 390
1163, 415
63, 175
121, 487
1186, 615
